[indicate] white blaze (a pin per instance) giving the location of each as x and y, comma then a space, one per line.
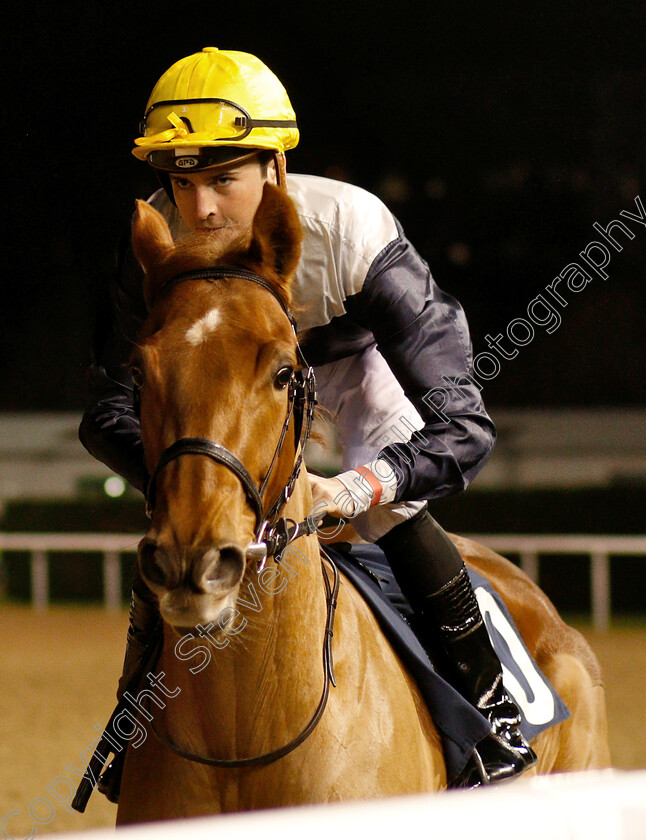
203, 327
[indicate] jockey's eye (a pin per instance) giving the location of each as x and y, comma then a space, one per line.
283, 377
180, 183
137, 377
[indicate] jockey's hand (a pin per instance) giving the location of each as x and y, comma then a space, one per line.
327, 495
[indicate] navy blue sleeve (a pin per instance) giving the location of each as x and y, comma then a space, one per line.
424, 337
110, 428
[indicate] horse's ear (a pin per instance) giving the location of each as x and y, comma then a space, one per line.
151, 242
277, 234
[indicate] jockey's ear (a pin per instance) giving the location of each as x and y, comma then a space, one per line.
277, 235
151, 242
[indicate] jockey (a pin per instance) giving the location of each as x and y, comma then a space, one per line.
391, 352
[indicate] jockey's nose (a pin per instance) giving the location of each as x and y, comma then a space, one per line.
206, 203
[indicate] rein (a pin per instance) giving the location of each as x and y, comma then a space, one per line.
331, 591
273, 533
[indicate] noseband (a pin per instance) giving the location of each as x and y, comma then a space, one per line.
272, 533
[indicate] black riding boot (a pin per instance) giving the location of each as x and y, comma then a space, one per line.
455, 615
144, 617
436, 583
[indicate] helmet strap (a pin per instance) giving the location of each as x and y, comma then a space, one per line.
164, 179
281, 169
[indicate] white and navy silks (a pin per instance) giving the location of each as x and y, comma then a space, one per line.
391, 353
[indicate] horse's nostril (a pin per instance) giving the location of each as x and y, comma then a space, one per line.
220, 571
232, 560
153, 562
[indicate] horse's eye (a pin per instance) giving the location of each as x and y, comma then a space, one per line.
283, 377
137, 377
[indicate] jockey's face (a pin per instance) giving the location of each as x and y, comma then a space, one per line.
222, 201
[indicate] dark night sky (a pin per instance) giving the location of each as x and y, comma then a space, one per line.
497, 133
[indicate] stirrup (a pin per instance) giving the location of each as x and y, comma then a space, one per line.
495, 759
109, 782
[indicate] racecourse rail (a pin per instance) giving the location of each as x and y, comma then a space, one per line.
599, 805
528, 547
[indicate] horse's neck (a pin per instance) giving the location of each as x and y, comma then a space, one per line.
269, 666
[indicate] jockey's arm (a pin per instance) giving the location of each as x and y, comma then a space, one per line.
423, 335
110, 428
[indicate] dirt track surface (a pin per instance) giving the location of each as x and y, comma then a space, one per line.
58, 676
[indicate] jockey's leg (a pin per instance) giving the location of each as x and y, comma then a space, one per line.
434, 579
371, 410
144, 617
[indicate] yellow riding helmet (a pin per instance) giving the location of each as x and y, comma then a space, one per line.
215, 99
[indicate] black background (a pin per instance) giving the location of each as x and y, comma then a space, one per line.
496, 132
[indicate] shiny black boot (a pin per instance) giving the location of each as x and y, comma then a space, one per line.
144, 617
449, 625
454, 615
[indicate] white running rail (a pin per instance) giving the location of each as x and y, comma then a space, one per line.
598, 547
529, 547
602, 805
40, 546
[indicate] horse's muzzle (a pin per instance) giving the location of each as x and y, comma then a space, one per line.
213, 570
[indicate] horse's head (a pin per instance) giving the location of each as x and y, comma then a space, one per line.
214, 361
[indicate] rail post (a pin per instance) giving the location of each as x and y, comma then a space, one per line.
529, 564
39, 579
111, 580
600, 589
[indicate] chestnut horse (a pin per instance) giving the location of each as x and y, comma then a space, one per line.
245, 656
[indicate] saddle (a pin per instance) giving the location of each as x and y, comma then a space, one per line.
458, 722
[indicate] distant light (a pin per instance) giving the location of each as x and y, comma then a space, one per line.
435, 188
394, 187
459, 253
114, 487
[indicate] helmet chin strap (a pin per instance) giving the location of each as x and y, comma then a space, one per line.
164, 179
281, 169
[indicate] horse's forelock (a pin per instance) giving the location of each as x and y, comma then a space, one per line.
196, 252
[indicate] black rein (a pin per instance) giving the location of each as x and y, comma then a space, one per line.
332, 591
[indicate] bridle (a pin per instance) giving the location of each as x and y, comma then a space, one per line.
273, 532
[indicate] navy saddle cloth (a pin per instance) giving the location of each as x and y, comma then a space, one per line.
460, 725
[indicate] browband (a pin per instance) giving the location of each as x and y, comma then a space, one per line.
223, 271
